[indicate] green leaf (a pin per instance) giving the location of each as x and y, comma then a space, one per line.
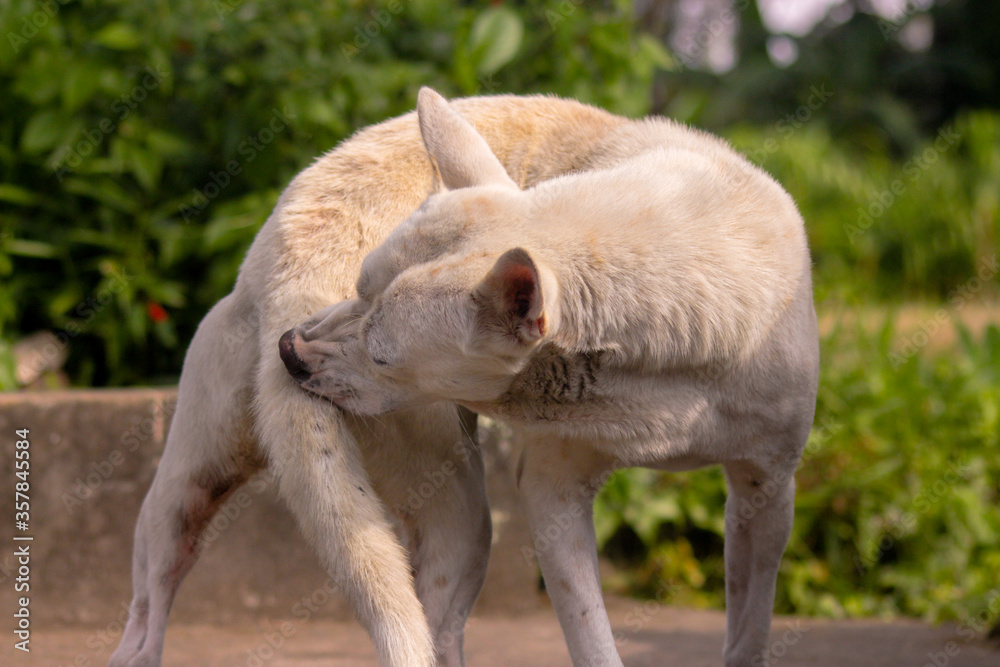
78, 85
495, 38
63, 305
15, 194
168, 293
105, 191
8, 365
36, 82
42, 132
992, 340
145, 165
26, 248
606, 522
166, 144
220, 229
118, 36
657, 53
234, 74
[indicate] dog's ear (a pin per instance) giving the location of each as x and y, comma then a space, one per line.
460, 155
511, 295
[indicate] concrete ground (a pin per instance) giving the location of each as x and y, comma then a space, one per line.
649, 634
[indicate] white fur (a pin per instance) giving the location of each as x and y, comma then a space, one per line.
649, 305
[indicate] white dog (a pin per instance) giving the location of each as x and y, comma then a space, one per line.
239, 410
653, 307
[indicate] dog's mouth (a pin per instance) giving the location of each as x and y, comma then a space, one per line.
341, 397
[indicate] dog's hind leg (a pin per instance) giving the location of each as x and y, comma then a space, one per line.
431, 474
455, 547
759, 514
208, 455
317, 462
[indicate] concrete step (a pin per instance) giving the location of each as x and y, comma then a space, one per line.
93, 456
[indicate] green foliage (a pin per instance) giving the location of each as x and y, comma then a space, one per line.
668, 529
144, 143
897, 491
917, 227
897, 500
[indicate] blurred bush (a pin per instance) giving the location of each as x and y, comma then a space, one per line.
917, 227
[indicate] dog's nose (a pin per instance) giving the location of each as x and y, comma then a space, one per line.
286, 350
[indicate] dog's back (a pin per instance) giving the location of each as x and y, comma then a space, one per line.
681, 255
351, 198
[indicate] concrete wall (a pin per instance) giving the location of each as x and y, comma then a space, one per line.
93, 456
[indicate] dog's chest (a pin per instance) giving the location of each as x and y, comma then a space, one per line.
592, 395
554, 380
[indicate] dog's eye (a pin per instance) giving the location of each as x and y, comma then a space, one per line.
380, 362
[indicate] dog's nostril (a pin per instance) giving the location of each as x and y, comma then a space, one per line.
286, 350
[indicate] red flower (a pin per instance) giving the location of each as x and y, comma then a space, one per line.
156, 312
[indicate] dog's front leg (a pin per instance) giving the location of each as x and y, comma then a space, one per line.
559, 481
434, 478
759, 514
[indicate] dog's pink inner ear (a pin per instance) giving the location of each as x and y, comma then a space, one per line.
517, 294
520, 284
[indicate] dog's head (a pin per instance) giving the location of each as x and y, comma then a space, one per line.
449, 307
